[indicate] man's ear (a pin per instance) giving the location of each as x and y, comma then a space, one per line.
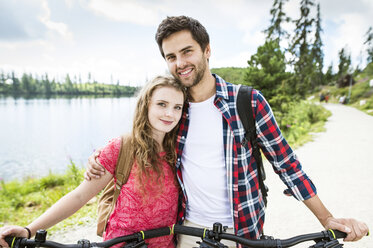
208, 51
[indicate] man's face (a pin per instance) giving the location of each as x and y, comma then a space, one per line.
184, 57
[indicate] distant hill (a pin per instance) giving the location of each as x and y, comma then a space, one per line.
233, 75
361, 93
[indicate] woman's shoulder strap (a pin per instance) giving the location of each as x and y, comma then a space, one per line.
124, 162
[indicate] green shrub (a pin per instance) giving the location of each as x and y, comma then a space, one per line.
300, 120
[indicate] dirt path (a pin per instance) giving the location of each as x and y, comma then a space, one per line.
339, 161
72, 235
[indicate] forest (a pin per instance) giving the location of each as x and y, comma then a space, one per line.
33, 86
292, 72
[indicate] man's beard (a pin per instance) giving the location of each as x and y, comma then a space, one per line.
200, 71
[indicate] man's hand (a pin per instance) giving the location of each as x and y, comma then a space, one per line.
94, 168
355, 229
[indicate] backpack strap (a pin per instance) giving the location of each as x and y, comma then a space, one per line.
245, 112
124, 166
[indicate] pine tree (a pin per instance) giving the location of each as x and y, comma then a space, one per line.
329, 76
68, 85
26, 83
3, 86
301, 49
369, 43
16, 87
275, 30
317, 52
47, 85
344, 63
267, 69
2, 77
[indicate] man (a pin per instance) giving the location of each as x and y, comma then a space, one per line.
215, 169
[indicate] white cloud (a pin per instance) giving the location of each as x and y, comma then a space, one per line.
235, 29
254, 38
70, 3
350, 23
247, 16
20, 45
351, 32
59, 27
135, 12
236, 60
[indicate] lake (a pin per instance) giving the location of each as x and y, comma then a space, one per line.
42, 135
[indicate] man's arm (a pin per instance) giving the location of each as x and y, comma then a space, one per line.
94, 168
286, 165
355, 229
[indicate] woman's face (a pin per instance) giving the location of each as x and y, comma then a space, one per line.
165, 110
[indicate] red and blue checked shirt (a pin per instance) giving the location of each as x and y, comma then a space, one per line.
247, 205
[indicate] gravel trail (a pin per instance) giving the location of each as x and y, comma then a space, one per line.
339, 162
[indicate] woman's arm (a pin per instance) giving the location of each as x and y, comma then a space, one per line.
70, 203
63, 208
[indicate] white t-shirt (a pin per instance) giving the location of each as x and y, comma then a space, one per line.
204, 172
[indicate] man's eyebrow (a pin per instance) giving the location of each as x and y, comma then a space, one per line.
181, 50
185, 48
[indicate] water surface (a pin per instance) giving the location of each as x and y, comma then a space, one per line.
41, 135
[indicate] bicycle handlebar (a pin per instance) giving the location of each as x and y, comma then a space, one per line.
329, 235
267, 243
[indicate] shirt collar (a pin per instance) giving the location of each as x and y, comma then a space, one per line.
221, 87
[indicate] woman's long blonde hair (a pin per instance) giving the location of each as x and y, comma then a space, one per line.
144, 148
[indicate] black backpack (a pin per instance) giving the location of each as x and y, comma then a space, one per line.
245, 112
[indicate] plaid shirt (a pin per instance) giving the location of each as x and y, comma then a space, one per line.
247, 205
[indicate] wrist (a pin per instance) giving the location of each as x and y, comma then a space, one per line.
325, 220
29, 234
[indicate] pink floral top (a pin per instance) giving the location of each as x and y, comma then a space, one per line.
132, 213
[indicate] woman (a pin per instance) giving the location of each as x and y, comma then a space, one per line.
149, 198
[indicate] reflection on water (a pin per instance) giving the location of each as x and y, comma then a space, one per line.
41, 135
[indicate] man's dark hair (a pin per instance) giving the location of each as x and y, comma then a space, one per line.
173, 24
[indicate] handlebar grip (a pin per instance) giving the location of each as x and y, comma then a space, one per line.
12, 241
192, 231
156, 233
337, 234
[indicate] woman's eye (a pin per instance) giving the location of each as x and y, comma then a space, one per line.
178, 107
161, 104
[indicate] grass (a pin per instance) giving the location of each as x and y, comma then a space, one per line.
23, 201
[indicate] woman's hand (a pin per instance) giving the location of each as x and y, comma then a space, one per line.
15, 231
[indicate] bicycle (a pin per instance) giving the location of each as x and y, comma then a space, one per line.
209, 239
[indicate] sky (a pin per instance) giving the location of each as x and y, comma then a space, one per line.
113, 40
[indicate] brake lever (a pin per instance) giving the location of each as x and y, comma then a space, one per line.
210, 243
136, 244
327, 244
